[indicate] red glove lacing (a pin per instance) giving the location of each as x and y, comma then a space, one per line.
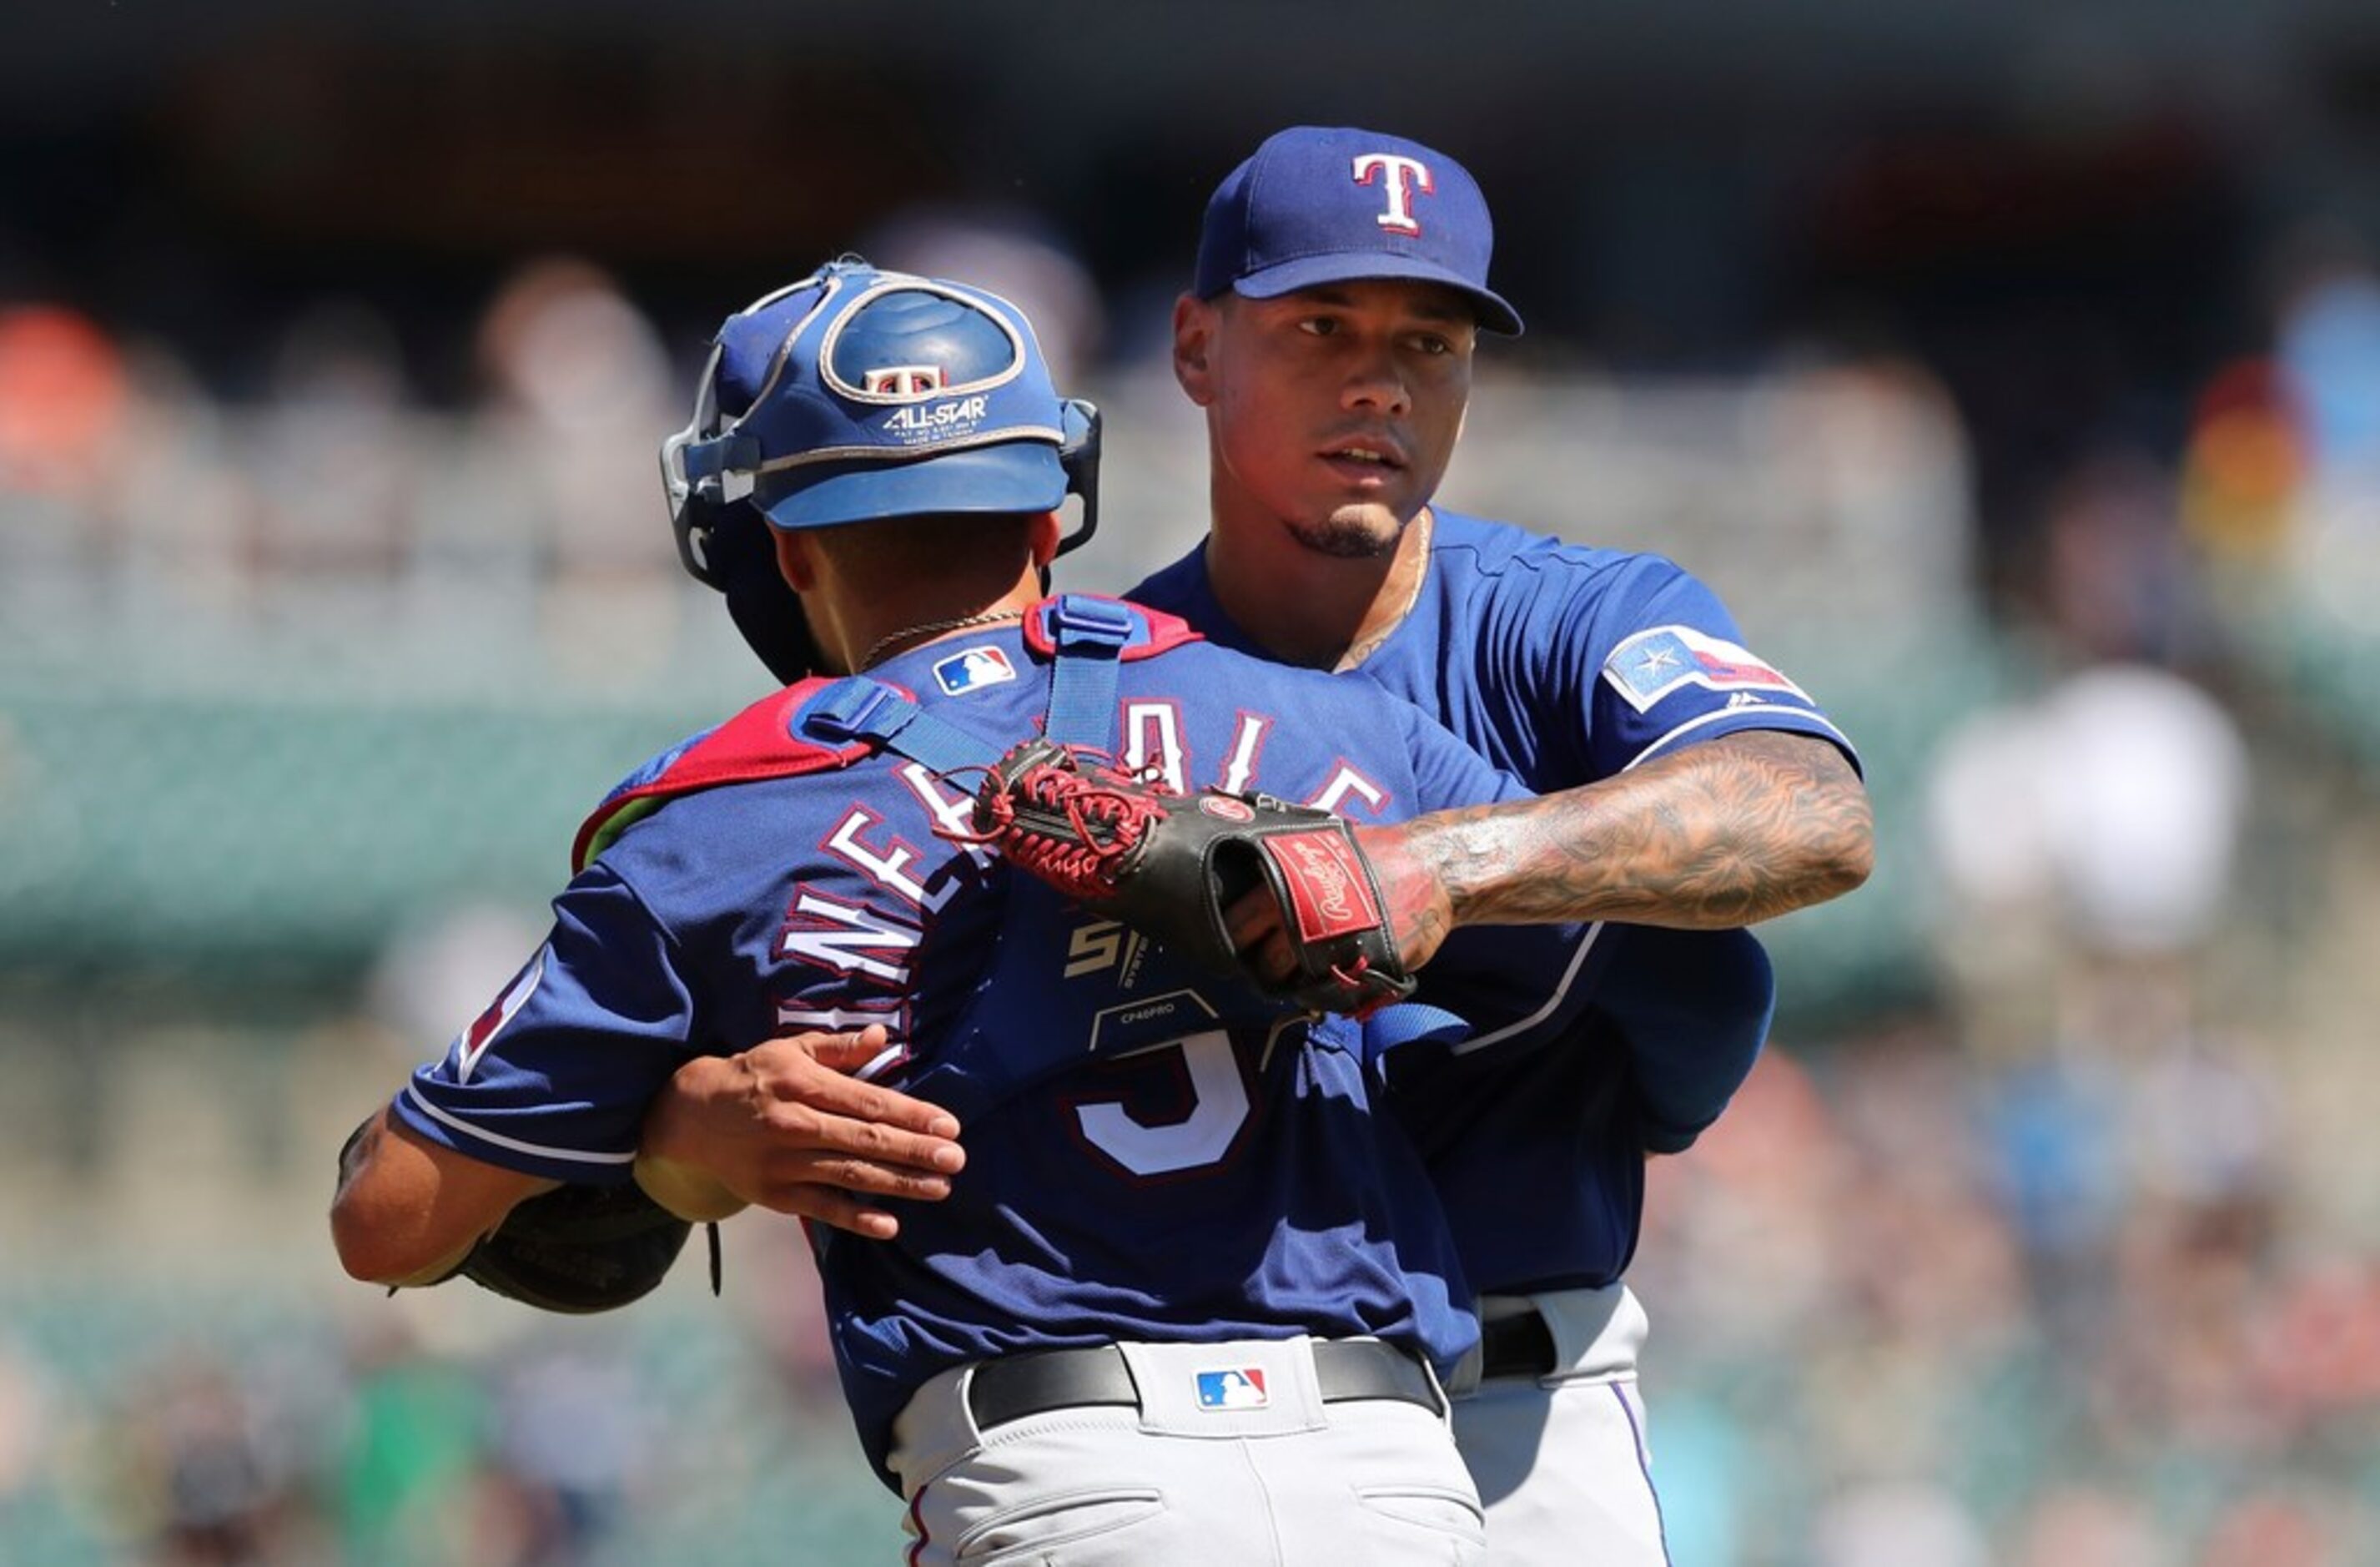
1109, 824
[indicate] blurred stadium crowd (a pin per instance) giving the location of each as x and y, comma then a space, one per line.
2047, 1232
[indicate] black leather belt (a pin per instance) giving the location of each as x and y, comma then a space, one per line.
1520, 1345
1017, 1385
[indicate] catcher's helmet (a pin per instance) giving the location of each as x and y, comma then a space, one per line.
858, 394
855, 394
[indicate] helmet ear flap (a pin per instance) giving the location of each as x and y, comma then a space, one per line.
695, 525
725, 544
696, 508
1078, 454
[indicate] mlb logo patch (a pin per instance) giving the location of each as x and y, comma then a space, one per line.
1238, 1387
973, 670
1651, 665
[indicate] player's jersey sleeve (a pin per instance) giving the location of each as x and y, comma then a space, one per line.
1693, 1007
1447, 773
553, 1078
1656, 663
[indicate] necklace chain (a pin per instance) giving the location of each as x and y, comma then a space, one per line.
1364, 649
931, 627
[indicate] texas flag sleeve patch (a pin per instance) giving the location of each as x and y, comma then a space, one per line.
1651, 665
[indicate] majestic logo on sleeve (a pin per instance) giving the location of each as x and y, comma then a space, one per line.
1403, 177
473, 1042
1651, 665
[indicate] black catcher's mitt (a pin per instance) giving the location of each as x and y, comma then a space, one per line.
1169, 865
580, 1249
575, 1249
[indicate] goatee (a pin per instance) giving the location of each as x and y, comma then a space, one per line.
1348, 537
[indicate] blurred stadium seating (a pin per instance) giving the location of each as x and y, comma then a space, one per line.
1966, 350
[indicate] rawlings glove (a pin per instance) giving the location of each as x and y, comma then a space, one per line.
1169, 865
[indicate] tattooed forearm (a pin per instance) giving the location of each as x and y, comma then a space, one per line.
1412, 890
1739, 830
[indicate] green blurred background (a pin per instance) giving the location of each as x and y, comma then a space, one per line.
2013, 372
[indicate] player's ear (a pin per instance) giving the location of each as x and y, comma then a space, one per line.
795, 562
1042, 534
1193, 342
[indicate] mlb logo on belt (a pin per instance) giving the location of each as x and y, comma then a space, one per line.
1239, 1387
973, 670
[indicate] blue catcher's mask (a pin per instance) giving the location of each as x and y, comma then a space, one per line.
855, 394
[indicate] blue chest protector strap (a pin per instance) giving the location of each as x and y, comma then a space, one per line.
1089, 635
1088, 632
857, 707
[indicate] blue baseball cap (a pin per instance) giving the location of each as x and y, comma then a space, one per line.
1316, 204
857, 393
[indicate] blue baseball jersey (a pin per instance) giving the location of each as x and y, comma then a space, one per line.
1565, 665
1154, 1153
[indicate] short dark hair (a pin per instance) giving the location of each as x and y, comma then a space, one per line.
926, 547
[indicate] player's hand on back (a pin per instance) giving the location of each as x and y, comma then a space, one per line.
784, 1126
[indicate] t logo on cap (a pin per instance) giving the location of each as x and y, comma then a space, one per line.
1316, 205
1405, 176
